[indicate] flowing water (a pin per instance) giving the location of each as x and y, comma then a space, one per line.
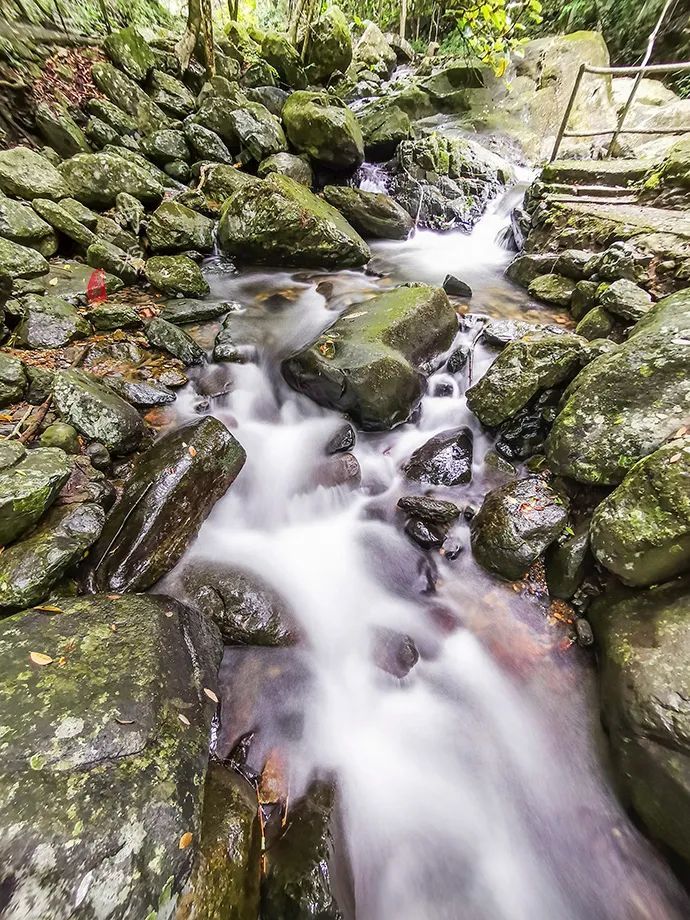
474, 786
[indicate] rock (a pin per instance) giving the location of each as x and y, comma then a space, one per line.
384, 125
40, 384
343, 440
596, 324
258, 132
584, 298
214, 115
219, 181
444, 460
114, 260
456, 287
287, 164
139, 392
165, 147
625, 299
130, 212
156, 175
523, 435
28, 488
175, 228
272, 97
430, 510
259, 73
98, 454
458, 359
50, 323
105, 779
283, 57
329, 48
324, 128
366, 363
514, 526
573, 264
627, 402
115, 316
60, 130
129, 96
423, 534
525, 367
32, 566
196, 311
553, 289
28, 175
524, 269
63, 436
641, 531
19, 223
373, 50
372, 214
100, 133
112, 115
130, 52
207, 145
169, 493
175, 341
97, 412
96, 179
643, 649
62, 220
338, 470
11, 452
176, 275
171, 95
568, 561
279, 220
13, 380
246, 611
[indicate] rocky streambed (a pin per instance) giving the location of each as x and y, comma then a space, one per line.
319, 531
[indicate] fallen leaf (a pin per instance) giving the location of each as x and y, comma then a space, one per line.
40, 658
113, 597
183, 719
186, 840
48, 608
124, 721
192, 451
53, 282
210, 694
169, 613
676, 457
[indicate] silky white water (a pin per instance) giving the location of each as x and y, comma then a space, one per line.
471, 788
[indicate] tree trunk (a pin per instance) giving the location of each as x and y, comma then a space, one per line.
198, 35
403, 17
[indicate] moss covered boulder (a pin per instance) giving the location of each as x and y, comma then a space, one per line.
130, 52
282, 55
207, 145
643, 644
641, 531
384, 125
367, 363
13, 380
129, 96
20, 223
626, 300
50, 322
515, 524
28, 487
21, 262
97, 411
259, 133
552, 288
329, 48
279, 220
525, 367
171, 95
114, 260
166, 146
287, 164
64, 221
60, 131
627, 402
28, 175
171, 490
176, 275
105, 734
372, 214
324, 128
96, 179
374, 52
174, 228
219, 181
175, 341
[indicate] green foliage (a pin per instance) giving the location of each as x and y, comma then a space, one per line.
487, 30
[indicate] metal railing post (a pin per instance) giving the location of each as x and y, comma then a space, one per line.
568, 110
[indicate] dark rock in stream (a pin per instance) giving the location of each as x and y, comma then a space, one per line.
445, 459
568, 561
171, 490
103, 752
338, 470
431, 510
456, 287
185, 310
175, 341
524, 434
425, 535
343, 440
393, 652
458, 359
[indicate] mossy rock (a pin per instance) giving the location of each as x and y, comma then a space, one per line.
13, 381
626, 300
258, 132
96, 179
113, 115
207, 145
553, 289
130, 52
60, 130
568, 561
61, 435
374, 52
373, 214
28, 175
176, 275
329, 48
171, 95
169, 493
21, 262
174, 228
61, 219
129, 96
50, 322
283, 57
287, 164
597, 323
219, 181
175, 341
166, 146
524, 269
319, 125
584, 299
114, 260
19, 223
384, 125
28, 488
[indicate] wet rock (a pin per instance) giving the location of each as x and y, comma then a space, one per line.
28, 487
373, 50
225, 348
643, 646
425, 535
583, 633
98, 454
384, 125
175, 341
32, 566
20, 262
338, 470
458, 359
524, 434
553, 289
445, 459
170, 492
139, 392
343, 440
272, 97
524, 269
96, 179
372, 214
130, 212
166, 146
366, 363
394, 653
207, 145
63, 436
11, 452
176, 275
103, 780
572, 263
259, 133
514, 526
430, 510
97, 412
279, 220
259, 73
456, 287
28, 175
501, 332
598, 323
128, 49
113, 316
568, 561
62, 220
287, 164
60, 130
20, 223
213, 114
246, 611
321, 126
49, 322
171, 95
641, 531
174, 228
129, 96
525, 367
627, 402
114, 260
627, 300
100, 133
181, 311
13, 381
283, 57
330, 45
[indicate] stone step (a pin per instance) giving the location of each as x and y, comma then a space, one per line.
594, 199
593, 191
595, 172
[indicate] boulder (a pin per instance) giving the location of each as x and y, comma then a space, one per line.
114, 260
28, 175
524, 269
104, 753
61, 219
372, 214
176, 275
20, 262
279, 220
61, 435
60, 130
175, 341
597, 323
130, 52
627, 402
129, 96
171, 95
553, 289
31, 567
535, 362
174, 228
259, 73
155, 174
367, 363
100, 133
515, 524
49, 322
272, 97
287, 164
568, 561
329, 48
283, 57
626, 299
430, 510
246, 611
28, 487
643, 645
585, 298
113, 115
207, 145
97, 412
456, 287
166, 146
113, 316
218, 182
384, 125
140, 392
20, 223
184, 310
641, 531
573, 264
214, 114
171, 490
130, 212
374, 52
258, 132
13, 380
444, 460
96, 179
324, 128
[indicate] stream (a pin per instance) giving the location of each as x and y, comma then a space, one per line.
475, 787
